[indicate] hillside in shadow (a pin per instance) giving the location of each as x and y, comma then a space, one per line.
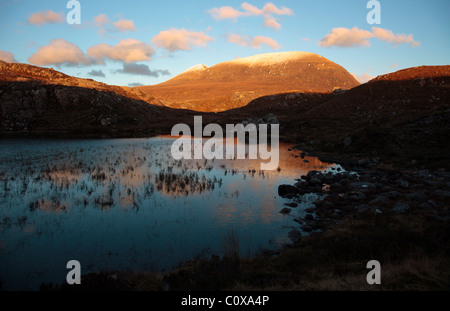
401, 115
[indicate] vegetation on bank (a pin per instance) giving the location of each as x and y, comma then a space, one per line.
413, 251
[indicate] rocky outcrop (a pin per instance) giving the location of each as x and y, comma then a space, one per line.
36, 100
15, 72
42, 108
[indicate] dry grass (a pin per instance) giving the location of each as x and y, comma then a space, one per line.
231, 245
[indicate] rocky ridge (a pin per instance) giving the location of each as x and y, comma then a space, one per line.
16, 72
41, 101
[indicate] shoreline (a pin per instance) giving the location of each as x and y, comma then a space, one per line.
400, 217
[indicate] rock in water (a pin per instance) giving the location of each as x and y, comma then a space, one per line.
285, 211
284, 190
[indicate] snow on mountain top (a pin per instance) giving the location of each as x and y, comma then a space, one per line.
264, 59
197, 67
273, 58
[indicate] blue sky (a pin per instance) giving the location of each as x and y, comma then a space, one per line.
148, 42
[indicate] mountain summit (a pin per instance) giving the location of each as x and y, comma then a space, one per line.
235, 83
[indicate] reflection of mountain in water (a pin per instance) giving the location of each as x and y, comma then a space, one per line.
105, 176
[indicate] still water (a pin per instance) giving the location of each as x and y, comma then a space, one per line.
117, 204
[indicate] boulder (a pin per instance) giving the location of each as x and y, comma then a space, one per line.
285, 190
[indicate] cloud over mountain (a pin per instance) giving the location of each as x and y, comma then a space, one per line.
180, 39
59, 52
128, 51
344, 37
256, 42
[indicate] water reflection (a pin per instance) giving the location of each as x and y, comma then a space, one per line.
127, 204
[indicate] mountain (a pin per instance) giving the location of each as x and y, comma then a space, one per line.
235, 83
35, 100
402, 116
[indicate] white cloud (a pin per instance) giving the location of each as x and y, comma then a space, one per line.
256, 42
49, 17
270, 9
129, 51
225, 12
237, 39
7, 57
101, 20
344, 37
389, 36
59, 52
251, 9
272, 23
124, 25
180, 39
